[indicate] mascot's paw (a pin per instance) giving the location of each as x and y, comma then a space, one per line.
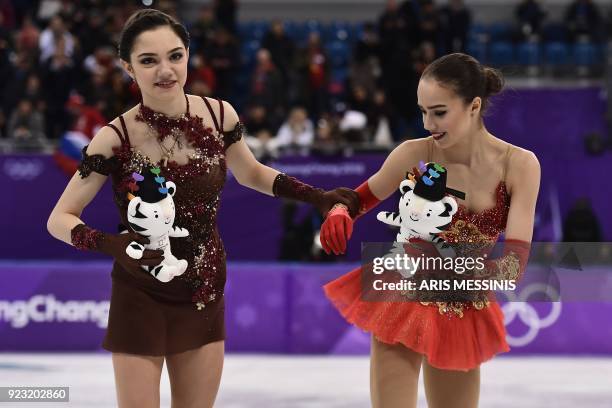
182, 267
178, 232
134, 250
165, 273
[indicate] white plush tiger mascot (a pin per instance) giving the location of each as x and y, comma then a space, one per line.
151, 214
425, 210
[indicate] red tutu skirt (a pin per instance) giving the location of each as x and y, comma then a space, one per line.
457, 336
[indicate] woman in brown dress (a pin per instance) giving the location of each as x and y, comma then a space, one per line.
192, 141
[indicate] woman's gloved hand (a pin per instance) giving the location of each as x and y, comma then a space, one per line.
115, 245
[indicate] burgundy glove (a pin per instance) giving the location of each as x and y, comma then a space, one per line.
86, 238
290, 187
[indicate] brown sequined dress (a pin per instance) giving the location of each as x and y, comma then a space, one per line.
149, 317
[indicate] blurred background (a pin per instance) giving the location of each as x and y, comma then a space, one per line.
326, 89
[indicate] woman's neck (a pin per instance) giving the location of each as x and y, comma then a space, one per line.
468, 150
174, 108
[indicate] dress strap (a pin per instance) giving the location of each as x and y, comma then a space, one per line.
221, 114
110, 125
125, 131
506, 161
212, 114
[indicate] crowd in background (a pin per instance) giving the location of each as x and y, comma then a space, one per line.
60, 71
60, 74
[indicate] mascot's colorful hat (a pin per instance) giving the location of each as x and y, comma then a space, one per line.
431, 183
148, 185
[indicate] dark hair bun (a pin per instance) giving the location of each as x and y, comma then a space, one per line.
494, 81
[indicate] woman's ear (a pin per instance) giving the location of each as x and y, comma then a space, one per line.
476, 105
128, 68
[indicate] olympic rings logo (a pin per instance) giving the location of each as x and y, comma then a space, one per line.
527, 313
23, 169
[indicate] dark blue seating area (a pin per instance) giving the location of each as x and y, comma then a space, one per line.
495, 44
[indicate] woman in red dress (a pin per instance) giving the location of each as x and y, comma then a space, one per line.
501, 181
191, 141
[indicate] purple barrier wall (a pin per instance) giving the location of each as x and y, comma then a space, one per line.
270, 308
549, 122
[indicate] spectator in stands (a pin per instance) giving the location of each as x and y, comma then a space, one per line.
297, 131
260, 133
455, 20
57, 79
225, 12
203, 29
33, 91
224, 58
581, 223
314, 68
257, 119
327, 135
365, 69
529, 15
27, 37
360, 100
202, 76
55, 34
281, 48
93, 33
368, 46
86, 120
381, 119
429, 22
26, 127
583, 20
267, 87
101, 61
391, 28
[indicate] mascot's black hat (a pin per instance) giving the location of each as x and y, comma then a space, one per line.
149, 185
431, 183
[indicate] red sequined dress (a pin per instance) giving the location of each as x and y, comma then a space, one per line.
451, 335
150, 317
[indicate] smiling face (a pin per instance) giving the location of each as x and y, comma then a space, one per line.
158, 63
445, 114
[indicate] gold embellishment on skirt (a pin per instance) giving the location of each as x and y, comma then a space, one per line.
456, 308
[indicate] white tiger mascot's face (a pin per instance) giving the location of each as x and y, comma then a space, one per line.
421, 216
152, 219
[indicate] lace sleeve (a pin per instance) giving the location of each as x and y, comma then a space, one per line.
233, 136
97, 163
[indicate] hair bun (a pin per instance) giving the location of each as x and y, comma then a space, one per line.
494, 81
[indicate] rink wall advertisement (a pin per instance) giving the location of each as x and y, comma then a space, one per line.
270, 308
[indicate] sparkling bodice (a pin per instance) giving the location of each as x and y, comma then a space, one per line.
199, 184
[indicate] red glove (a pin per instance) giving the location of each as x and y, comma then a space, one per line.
336, 230
338, 226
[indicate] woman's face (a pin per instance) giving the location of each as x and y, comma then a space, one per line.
445, 114
159, 63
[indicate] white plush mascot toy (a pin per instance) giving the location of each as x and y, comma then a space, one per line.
151, 214
425, 210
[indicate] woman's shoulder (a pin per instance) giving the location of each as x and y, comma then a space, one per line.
220, 108
519, 157
522, 166
414, 150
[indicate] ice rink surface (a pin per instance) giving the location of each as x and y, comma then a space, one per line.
273, 381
